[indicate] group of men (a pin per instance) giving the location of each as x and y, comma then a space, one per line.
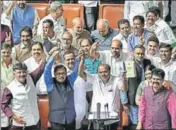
82, 70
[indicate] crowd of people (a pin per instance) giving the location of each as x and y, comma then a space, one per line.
87, 66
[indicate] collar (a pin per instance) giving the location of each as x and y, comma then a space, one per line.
169, 63
160, 90
109, 81
120, 58
157, 21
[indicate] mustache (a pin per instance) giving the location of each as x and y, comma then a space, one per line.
155, 83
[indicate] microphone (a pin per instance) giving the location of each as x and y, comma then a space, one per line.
98, 111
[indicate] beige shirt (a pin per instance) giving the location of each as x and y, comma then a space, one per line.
77, 39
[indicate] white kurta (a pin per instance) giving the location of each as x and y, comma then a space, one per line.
24, 101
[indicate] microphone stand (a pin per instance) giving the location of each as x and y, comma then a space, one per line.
105, 117
109, 127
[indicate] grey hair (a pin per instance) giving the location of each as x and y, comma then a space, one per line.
105, 22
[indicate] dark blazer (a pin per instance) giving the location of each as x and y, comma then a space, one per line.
133, 83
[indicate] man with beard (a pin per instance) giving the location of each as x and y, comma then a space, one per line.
157, 25
78, 32
157, 104
19, 100
22, 15
139, 35
125, 30
103, 34
66, 44
139, 64
22, 51
165, 62
106, 90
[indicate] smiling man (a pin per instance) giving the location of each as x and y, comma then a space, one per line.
22, 51
19, 100
61, 95
157, 103
165, 62
36, 63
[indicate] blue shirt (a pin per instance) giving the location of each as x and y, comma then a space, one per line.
48, 74
105, 42
91, 65
133, 40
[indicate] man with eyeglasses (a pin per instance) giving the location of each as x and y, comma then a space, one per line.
103, 34
61, 95
19, 100
22, 51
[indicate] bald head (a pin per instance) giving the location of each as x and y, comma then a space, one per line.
116, 48
103, 27
77, 25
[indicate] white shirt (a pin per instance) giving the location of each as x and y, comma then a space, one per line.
163, 32
80, 100
169, 69
123, 40
133, 8
108, 93
117, 64
24, 102
59, 24
32, 64
105, 93
151, 58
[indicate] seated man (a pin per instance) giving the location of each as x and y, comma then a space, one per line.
106, 90
55, 15
103, 35
61, 95
78, 32
19, 100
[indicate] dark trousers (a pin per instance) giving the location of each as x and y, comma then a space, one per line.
113, 126
4, 128
34, 127
57, 126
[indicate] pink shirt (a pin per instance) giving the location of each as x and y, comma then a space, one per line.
155, 107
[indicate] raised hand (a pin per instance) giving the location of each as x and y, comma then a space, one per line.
95, 46
55, 54
81, 54
8, 37
53, 50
